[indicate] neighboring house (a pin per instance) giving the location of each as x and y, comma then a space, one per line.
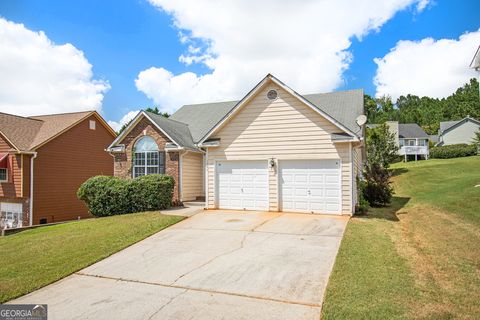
410, 138
273, 150
455, 132
43, 161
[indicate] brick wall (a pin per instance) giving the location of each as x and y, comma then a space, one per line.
123, 161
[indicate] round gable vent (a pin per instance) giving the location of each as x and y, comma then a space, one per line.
272, 94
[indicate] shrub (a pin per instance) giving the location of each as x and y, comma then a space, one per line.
151, 192
381, 151
453, 151
106, 196
377, 191
363, 205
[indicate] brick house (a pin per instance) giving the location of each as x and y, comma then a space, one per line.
149, 145
43, 161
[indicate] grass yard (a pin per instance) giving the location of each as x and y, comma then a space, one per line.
418, 258
34, 258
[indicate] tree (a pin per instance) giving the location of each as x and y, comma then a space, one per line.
476, 141
149, 109
426, 111
381, 146
381, 151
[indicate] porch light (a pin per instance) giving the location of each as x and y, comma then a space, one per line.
271, 163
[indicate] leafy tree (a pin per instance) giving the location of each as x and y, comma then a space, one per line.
426, 111
381, 146
149, 109
381, 151
476, 141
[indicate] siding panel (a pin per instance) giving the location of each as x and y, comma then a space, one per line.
63, 164
283, 129
192, 177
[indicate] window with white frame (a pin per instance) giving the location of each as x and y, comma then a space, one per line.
11, 215
147, 159
3, 174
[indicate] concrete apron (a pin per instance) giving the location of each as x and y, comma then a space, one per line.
214, 265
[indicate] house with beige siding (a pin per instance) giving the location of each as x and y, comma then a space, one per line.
273, 150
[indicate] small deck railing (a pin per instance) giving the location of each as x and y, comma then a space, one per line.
408, 150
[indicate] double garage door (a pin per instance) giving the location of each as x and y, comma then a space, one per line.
311, 186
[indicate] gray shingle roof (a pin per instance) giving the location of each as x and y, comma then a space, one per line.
343, 106
447, 125
200, 118
178, 131
411, 130
444, 125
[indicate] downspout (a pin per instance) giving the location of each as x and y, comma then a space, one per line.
31, 188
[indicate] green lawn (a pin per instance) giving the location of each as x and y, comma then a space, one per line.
34, 258
418, 258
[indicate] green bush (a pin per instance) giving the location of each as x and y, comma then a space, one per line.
151, 192
377, 190
363, 205
453, 151
106, 196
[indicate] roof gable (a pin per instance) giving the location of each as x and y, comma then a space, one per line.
204, 129
446, 126
176, 131
29, 133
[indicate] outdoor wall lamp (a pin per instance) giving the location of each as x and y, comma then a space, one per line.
271, 163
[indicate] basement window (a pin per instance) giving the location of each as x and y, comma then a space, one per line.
92, 124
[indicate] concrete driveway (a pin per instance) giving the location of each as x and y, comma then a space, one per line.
214, 265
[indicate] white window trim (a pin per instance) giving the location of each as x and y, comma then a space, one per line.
6, 175
146, 165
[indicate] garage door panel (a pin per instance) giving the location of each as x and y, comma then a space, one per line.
310, 185
242, 185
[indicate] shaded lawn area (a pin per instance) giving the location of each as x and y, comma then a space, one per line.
418, 258
34, 258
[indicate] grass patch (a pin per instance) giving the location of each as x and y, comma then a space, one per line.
418, 258
34, 258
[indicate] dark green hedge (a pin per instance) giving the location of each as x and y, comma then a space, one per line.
106, 196
453, 151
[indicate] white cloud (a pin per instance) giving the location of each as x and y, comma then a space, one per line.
429, 67
305, 44
40, 77
117, 125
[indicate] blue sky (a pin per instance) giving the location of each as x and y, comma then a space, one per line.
120, 39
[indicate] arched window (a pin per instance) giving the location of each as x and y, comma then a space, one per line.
147, 159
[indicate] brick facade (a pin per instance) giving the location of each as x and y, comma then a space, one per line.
123, 161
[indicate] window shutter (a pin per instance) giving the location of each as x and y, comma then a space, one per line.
161, 162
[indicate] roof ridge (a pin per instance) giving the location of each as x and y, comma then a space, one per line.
167, 118
302, 94
18, 116
59, 114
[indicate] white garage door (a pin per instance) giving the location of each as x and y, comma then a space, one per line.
310, 186
242, 185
